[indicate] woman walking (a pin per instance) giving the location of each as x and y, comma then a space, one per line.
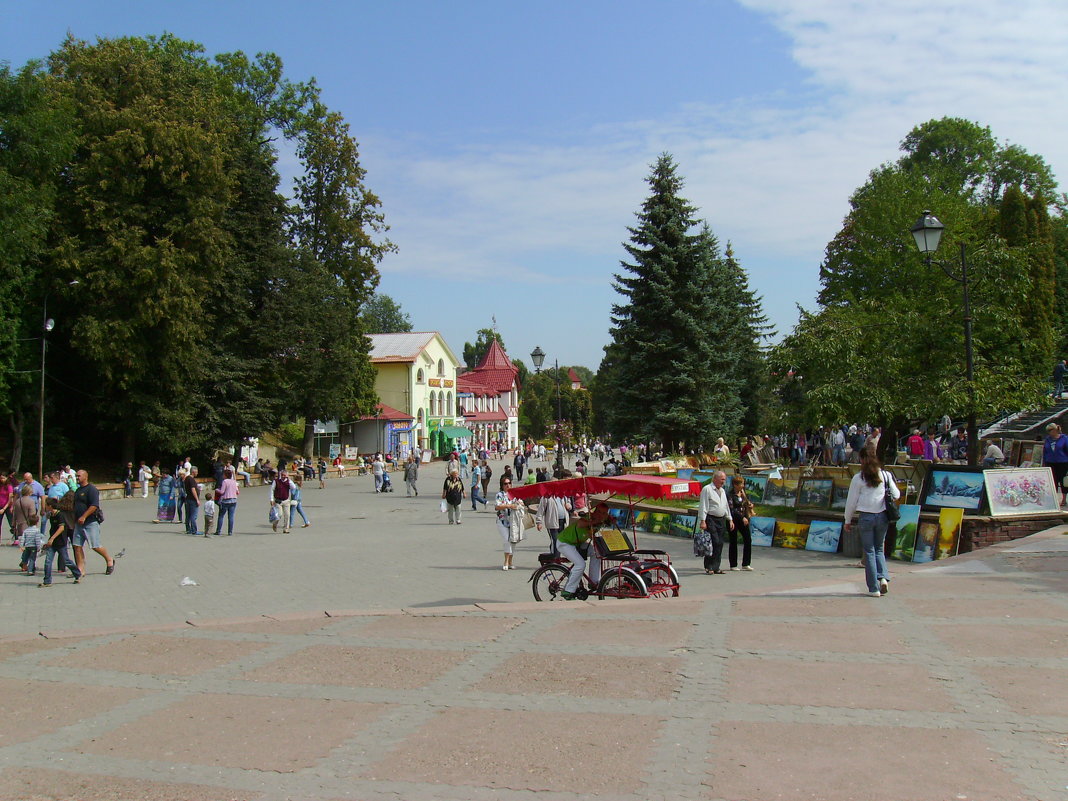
741, 511
509, 521
296, 497
868, 494
411, 475
453, 493
228, 493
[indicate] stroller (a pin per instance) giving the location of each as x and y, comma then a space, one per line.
387, 483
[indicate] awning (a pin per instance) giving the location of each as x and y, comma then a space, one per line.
454, 432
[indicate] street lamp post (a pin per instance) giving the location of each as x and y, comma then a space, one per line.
928, 233
537, 356
47, 324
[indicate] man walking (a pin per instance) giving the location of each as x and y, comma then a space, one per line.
192, 502
1058, 379
87, 519
715, 518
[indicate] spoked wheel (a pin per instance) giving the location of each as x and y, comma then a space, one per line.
621, 582
661, 579
549, 581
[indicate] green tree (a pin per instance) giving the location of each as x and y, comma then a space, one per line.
383, 315
474, 353
337, 228
36, 140
670, 371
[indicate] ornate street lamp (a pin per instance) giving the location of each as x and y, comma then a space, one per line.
928, 233
537, 356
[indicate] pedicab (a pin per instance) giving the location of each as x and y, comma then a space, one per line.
626, 570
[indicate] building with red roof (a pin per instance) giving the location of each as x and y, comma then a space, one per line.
489, 398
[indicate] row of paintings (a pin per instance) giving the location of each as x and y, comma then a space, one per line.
1008, 491
915, 541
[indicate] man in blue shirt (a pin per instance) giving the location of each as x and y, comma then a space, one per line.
37, 490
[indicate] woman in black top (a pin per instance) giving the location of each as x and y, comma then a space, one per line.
741, 509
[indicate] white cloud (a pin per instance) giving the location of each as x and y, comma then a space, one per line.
771, 174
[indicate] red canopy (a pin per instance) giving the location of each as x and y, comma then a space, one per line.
638, 486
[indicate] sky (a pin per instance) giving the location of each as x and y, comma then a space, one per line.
510, 142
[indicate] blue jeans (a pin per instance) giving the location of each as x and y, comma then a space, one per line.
477, 498
295, 508
872, 540
63, 557
192, 509
226, 509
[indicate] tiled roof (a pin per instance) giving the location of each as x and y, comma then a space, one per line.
496, 357
404, 347
387, 413
465, 382
495, 416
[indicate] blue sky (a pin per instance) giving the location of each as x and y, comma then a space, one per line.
509, 141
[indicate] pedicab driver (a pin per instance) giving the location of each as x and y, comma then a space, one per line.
572, 538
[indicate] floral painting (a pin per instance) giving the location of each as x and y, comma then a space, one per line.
1021, 491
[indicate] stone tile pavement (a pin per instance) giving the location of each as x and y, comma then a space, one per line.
783, 684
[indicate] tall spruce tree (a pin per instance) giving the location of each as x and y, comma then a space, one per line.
669, 374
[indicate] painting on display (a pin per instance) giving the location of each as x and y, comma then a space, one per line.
653, 522
953, 486
780, 492
762, 530
755, 487
622, 517
790, 535
684, 473
908, 526
927, 538
1036, 456
1021, 491
950, 522
823, 535
839, 496
814, 493
682, 525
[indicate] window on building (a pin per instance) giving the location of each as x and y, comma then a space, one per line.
419, 377
448, 406
441, 367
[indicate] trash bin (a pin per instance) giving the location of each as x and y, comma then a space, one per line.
851, 542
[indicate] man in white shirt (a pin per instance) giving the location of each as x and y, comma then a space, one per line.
715, 518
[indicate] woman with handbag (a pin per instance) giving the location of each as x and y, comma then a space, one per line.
509, 521
872, 495
741, 512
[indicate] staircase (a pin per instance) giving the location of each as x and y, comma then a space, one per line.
1030, 425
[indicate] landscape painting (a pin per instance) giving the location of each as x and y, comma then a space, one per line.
790, 535
839, 495
927, 539
907, 528
622, 517
1021, 491
950, 522
953, 487
682, 525
823, 535
780, 492
815, 493
754, 488
762, 530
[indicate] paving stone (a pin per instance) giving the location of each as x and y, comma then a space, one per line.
386, 668
955, 608
60, 785
1030, 690
866, 638
239, 731
991, 639
629, 633
785, 606
30, 709
752, 761
533, 750
584, 675
148, 653
447, 629
837, 684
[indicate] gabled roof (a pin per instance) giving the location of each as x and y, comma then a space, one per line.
467, 382
495, 371
386, 413
404, 347
572, 376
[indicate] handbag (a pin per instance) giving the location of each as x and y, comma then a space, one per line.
893, 514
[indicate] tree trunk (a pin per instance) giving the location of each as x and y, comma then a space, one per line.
308, 444
129, 446
892, 431
16, 420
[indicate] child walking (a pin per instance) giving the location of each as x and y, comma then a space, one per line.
31, 542
210, 510
61, 527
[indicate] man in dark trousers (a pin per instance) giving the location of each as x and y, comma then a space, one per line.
192, 502
1058, 379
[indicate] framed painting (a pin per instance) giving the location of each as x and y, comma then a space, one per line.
908, 526
762, 530
823, 535
950, 522
755, 487
839, 495
682, 525
814, 493
790, 535
1016, 491
927, 536
780, 492
953, 486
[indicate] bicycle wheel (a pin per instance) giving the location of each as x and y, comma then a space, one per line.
549, 581
621, 582
661, 579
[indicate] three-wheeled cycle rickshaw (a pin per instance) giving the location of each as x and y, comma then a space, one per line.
626, 571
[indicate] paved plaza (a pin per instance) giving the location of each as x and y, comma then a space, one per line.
383, 654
